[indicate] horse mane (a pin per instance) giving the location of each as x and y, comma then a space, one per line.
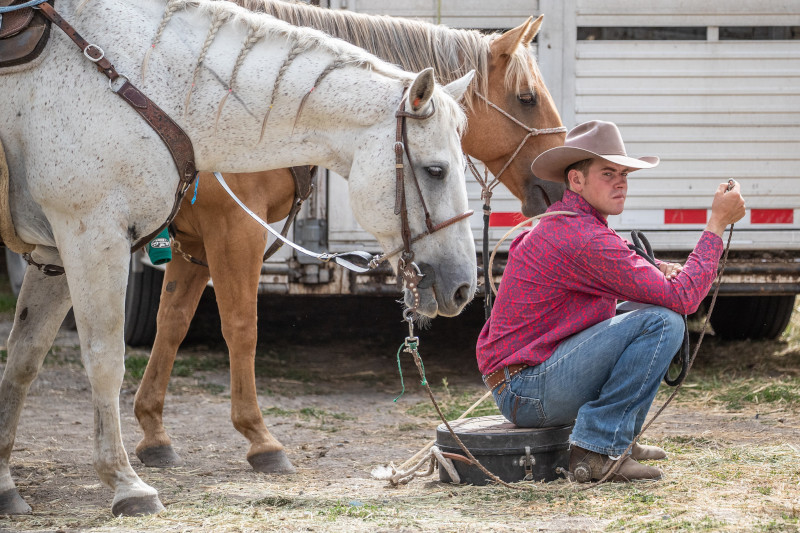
412, 44
303, 38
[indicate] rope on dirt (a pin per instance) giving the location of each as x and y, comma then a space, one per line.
402, 476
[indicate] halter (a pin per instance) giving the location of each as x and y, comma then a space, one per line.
488, 185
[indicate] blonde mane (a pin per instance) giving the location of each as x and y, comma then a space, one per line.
411, 44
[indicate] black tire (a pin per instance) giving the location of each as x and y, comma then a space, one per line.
752, 317
141, 303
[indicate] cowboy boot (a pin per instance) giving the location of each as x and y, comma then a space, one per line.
643, 452
588, 466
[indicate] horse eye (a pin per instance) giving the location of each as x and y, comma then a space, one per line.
435, 171
527, 98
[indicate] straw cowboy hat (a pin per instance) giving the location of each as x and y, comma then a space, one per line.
595, 138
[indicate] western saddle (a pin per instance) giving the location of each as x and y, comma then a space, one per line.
23, 34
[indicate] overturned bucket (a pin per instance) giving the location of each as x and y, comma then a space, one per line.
509, 452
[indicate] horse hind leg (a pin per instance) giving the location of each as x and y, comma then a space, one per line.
41, 307
183, 286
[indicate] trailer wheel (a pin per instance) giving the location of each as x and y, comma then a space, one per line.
752, 317
141, 303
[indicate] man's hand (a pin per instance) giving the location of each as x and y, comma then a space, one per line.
670, 270
726, 208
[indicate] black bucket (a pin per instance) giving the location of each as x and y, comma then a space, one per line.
509, 452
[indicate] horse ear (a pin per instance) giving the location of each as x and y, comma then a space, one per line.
457, 88
421, 90
507, 43
533, 29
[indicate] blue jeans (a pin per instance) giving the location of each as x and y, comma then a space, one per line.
603, 379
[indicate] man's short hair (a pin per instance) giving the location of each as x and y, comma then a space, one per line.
581, 166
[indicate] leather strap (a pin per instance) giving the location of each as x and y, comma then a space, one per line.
303, 186
176, 140
499, 376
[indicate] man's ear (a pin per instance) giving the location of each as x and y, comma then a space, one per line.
576, 180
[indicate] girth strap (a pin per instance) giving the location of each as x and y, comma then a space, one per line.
303, 187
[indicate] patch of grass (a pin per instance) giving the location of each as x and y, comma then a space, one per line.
3, 356
307, 413
135, 365
353, 509
277, 411
8, 302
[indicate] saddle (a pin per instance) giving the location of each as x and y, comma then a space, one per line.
23, 35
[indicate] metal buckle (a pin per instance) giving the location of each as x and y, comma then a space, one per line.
95, 47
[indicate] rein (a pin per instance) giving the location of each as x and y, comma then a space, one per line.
177, 142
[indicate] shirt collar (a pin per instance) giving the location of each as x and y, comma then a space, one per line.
573, 201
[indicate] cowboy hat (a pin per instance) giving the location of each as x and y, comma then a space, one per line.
595, 138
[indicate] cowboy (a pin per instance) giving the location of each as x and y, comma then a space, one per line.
554, 352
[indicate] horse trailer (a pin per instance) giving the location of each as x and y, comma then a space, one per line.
713, 88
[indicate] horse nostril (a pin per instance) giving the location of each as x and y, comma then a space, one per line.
461, 296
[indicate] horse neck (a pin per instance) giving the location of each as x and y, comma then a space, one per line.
228, 104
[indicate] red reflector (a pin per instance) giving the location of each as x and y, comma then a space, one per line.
684, 216
506, 219
771, 216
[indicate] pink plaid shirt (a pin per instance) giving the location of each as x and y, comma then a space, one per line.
566, 275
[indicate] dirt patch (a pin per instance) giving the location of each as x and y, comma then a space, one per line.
328, 377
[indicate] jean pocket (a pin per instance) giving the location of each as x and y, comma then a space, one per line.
522, 411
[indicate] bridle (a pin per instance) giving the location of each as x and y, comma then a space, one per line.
410, 272
359, 261
487, 186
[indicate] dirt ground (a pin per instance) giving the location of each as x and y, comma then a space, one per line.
327, 376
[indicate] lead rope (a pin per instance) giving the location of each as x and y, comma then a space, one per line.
487, 187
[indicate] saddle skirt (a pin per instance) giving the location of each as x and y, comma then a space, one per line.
23, 35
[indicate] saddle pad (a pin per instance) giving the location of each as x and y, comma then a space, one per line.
8, 235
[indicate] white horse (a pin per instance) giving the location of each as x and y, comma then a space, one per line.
89, 177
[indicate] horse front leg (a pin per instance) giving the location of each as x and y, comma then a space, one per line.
41, 307
97, 264
235, 259
183, 286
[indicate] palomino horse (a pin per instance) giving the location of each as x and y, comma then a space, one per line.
216, 231
89, 177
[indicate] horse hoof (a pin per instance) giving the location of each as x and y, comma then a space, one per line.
159, 457
12, 503
271, 463
137, 506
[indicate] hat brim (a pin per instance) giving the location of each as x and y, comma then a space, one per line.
550, 165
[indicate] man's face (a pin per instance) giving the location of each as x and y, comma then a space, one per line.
604, 186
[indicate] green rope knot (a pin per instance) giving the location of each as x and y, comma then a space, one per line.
411, 347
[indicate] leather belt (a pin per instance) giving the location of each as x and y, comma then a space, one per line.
498, 376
